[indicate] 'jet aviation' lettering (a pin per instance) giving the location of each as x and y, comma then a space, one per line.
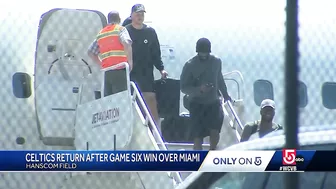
111, 114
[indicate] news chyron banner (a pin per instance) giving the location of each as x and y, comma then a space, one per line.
212, 161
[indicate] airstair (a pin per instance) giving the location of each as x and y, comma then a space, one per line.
116, 122
231, 130
232, 125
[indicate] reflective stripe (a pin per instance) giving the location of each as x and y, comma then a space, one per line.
112, 53
118, 27
107, 34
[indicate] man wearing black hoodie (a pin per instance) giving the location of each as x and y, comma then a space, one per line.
201, 80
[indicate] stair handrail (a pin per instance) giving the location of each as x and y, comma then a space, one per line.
240, 75
152, 123
235, 115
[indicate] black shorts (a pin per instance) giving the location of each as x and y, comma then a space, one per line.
144, 84
205, 117
115, 81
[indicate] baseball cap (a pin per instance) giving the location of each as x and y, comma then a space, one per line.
267, 102
138, 8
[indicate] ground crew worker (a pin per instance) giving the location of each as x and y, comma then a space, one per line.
112, 46
265, 125
146, 55
202, 79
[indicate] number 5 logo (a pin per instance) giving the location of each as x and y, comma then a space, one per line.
288, 156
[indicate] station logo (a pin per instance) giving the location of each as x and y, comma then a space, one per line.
290, 160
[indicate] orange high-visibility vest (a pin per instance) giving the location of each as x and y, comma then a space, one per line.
111, 50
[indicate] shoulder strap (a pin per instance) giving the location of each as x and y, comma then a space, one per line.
249, 130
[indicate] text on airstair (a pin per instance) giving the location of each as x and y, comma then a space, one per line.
106, 116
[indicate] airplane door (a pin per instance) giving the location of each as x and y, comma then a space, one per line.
61, 66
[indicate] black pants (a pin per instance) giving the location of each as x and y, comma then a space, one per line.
205, 117
144, 82
115, 81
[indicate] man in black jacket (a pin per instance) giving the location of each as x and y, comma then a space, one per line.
201, 80
127, 21
146, 55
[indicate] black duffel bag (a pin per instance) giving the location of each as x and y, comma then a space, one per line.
176, 129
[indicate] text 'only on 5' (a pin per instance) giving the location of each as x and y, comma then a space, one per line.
234, 161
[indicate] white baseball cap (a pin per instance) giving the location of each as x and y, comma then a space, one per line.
267, 102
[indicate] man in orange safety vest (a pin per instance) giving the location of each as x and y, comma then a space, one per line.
113, 45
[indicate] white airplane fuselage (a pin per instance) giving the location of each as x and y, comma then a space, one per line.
247, 38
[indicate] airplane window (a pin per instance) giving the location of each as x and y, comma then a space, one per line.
21, 85
303, 96
328, 95
262, 89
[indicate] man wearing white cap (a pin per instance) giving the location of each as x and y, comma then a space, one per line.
263, 126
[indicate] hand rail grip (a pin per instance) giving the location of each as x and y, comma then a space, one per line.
67, 55
150, 120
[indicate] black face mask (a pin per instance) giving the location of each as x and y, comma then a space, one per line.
203, 56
